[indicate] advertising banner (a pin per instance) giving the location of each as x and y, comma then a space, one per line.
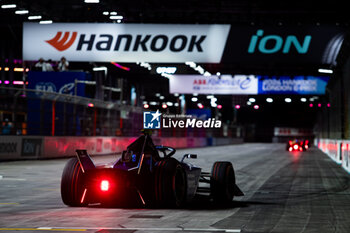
223, 85
59, 82
283, 45
302, 85
106, 42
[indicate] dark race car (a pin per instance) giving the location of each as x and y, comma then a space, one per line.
142, 177
297, 145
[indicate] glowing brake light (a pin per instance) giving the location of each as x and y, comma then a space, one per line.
290, 149
104, 185
295, 147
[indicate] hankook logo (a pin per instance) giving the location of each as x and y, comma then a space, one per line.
63, 43
128, 42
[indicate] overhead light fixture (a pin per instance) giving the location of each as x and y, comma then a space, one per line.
119, 21
8, 6
326, 71
102, 68
21, 12
45, 22
113, 13
116, 17
269, 100
288, 100
92, 1
33, 17
105, 13
251, 100
303, 99
167, 70
194, 99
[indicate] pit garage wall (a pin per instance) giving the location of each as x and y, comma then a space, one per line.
36, 147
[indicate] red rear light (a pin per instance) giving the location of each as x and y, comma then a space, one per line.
104, 185
295, 147
306, 146
290, 142
290, 149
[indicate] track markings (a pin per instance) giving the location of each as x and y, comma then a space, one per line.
40, 229
9, 203
72, 229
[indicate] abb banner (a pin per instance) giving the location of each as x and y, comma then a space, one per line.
223, 85
105, 42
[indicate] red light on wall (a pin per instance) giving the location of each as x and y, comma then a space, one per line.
311, 105
328, 105
219, 106
201, 106
146, 106
319, 105
164, 106
238, 106
104, 185
256, 107
90, 105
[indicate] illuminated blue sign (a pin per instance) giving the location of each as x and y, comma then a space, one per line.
301, 85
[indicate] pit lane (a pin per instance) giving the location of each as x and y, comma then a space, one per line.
284, 192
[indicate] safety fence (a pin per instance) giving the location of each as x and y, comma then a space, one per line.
337, 150
45, 113
45, 147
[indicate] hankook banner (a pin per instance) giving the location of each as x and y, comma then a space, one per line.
105, 42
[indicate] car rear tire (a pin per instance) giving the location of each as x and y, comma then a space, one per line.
72, 183
222, 182
170, 184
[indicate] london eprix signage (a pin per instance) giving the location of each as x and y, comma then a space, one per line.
125, 42
223, 85
248, 84
301, 85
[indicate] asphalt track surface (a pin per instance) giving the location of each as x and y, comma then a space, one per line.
284, 192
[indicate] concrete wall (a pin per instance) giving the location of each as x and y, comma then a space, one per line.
36, 147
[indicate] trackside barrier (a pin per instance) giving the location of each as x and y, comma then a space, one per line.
337, 150
26, 147
345, 156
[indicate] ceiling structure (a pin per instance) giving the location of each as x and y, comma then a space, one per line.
235, 12
239, 12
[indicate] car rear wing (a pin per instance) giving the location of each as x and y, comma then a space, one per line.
85, 160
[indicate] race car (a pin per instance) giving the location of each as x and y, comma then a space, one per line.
297, 145
146, 175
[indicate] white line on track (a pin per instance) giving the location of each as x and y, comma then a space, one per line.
154, 229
